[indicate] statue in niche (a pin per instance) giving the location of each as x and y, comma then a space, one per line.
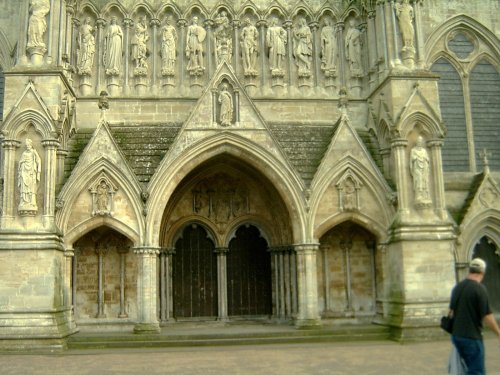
303, 48
139, 46
37, 24
113, 47
353, 49
404, 11
223, 39
276, 40
249, 47
226, 106
420, 168
168, 48
86, 48
102, 198
194, 47
328, 42
29, 172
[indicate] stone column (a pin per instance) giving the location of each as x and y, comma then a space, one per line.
123, 253
308, 285
372, 49
50, 32
326, 278
166, 297
346, 247
181, 23
70, 32
9, 180
383, 31
262, 24
209, 60
289, 52
61, 157
417, 4
341, 52
222, 282
396, 59
101, 252
68, 270
99, 53
154, 59
23, 32
316, 59
74, 279
237, 107
236, 46
147, 321
214, 106
61, 43
128, 23
50, 168
435, 146
275, 282
398, 146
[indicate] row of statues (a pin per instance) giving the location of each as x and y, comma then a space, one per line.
276, 40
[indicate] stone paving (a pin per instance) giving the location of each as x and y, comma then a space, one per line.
377, 357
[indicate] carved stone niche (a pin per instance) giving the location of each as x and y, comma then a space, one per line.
349, 187
102, 191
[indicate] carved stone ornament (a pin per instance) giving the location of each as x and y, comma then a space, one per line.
168, 48
488, 197
37, 26
28, 179
420, 172
349, 187
225, 100
102, 191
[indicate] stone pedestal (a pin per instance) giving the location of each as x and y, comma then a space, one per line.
85, 85
308, 315
141, 84
36, 54
167, 84
408, 57
355, 86
113, 85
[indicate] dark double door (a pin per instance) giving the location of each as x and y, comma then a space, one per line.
487, 251
248, 274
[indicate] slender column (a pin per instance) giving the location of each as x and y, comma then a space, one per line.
237, 107
418, 33
61, 157
326, 271
372, 48
346, 246
62, 34
99, 52
23, 32
236, 44
70, 12
398, 146
123, 253
341, 52
383, 26
435, 146
214, 107
166, 298
51, 147
168, 283
286, 271
209, 56
289, 50
397, 60
100, 251
128, 23
68, 271
50, 29
154, 24
282, 295
308, 285
74, 278
262, 24
316, 60
293, 277
181, 23
222, 282
468, 123
372, 246
275, 281
9, 146
147, 321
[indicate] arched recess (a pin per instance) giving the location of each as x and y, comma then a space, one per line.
349, 272
486, 223
104, 277
487, 249
279, 175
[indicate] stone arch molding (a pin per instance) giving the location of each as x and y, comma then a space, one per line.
81, 183
276, 170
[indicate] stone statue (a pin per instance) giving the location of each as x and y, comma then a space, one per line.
86, 48
328, 42
168, 48
226, 106
276, 40
404, 12
29, 172
102, 198
194, 47
249, 47
223, 39
113, 47
139, 46
302, 48
37, 24
353, 50
420, 168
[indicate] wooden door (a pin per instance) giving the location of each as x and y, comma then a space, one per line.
487, 251
248, 274
194, 274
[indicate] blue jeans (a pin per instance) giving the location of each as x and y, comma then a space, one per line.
472, 351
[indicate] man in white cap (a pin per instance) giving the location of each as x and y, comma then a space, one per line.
470, 307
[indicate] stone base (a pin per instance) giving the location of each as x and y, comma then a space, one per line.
85, 85
307, 323
147, 328
113, 85
36, 54
408, 57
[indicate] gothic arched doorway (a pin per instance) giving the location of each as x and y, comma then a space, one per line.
194, 274
487, 250
249, 290
347, 272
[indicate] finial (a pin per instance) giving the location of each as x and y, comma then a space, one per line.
485, 154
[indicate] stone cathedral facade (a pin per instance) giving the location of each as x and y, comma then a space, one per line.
294, 162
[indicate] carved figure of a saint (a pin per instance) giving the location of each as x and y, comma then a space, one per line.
353, 49
37, 24
276, 40
223, 39
249, 47
303, 47
404, 11
28, 177
226, 106
420, 169
113, 47
328, 47
168, 47
139, 45
194, 47
86, 48
102, 197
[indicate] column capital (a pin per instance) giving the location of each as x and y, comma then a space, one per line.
280, 249
399, 142
436, 142
236, 24
155, 22
10, 144
101, 22
314, 25
147, 250
128, 22
306, 247
221, 250
167, 251
262, 23
181, 22
51, 143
